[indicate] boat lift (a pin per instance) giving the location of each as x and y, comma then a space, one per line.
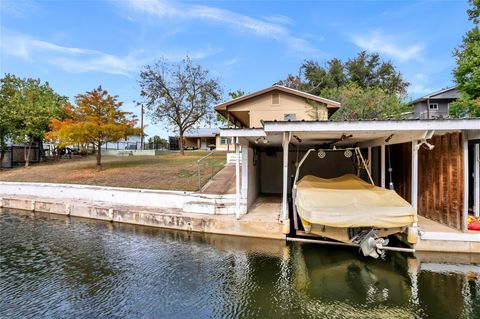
367, 240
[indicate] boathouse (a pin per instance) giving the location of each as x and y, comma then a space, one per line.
432, 164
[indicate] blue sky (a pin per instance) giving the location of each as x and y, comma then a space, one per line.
248, 45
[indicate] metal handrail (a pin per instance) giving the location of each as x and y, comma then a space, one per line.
211, 155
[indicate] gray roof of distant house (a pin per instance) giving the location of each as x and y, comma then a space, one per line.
202, 132
448, 93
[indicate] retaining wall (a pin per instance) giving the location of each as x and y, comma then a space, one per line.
164, 218
186, 201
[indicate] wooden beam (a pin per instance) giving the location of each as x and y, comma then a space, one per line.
466, 178
362, 126
414, 179
396, 138
476, 172
382, 165
237, 178
474, 135
286, 141
370, 159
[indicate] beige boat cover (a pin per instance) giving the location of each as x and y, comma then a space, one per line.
348, 201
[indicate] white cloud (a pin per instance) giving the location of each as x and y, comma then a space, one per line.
270, 27
419, 85
18, 8
278, 18
376, 41
80, 60
420, 89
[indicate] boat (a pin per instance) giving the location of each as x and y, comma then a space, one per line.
352, 211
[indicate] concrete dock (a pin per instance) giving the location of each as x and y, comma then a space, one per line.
436, 237
260, 224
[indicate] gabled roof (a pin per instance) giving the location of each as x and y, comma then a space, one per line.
202, 132
329, 103
448, 93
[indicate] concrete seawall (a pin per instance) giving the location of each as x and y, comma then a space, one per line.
172, 218
188, 202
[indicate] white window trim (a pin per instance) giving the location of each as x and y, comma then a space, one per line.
430, 106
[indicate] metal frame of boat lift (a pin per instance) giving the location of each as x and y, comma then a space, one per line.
368, 243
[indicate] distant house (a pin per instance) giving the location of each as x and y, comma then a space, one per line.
434, 105
202, 139
132, 142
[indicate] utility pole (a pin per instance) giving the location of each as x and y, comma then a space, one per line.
141, 127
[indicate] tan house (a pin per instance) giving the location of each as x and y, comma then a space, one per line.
206, 139
276, 103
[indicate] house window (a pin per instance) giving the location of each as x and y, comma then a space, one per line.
223, 140
433, 106
289, 116
275, 98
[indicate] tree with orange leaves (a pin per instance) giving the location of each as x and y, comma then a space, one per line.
53, 136
95, 119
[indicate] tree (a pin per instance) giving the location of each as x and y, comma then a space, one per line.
52, 136
467, 72
31, 104
179, 94
157, 140
293, 82
7, 116
464, 107
95, 119
366, 70
359, 103
359, 84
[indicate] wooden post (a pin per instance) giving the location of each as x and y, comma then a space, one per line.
370, 159
466, 178
286, 142
237, 178
476, 185
428, 108
382, 166
244, 173
414, 179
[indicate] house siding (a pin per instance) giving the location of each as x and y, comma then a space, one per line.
223, 147
442, 98
260, 109
420, 109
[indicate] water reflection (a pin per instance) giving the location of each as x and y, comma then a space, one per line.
54, 266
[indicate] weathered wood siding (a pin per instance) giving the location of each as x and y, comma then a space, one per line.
440, 177
401, 159
440, 180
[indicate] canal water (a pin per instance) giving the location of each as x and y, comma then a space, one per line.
58, 267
